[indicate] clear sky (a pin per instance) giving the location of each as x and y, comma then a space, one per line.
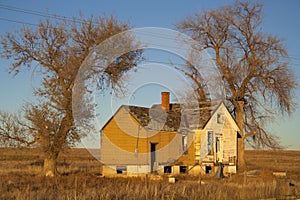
280, 18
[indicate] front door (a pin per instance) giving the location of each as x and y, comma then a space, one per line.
153, 156
219, 149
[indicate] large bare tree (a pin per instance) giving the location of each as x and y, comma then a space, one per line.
13, 132
58, 48
258, 82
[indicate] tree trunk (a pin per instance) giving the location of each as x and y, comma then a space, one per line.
241, 158
50, 166
241, 146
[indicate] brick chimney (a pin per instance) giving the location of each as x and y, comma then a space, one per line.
165, 100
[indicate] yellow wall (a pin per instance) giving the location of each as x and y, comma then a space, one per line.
123, 141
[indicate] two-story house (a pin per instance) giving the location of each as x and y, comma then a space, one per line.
170, 138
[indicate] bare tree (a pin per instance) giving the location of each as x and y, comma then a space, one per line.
59, 48
258, 82
13, 132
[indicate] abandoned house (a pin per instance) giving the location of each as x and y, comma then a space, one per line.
170, 138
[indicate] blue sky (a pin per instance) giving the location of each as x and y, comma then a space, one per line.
280, 18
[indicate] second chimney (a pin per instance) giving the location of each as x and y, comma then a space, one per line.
165, 100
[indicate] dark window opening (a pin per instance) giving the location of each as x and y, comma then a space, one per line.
121, 169
208, 169
153, 156
183, 169
220, 118
167, 169
184, 144
210, 142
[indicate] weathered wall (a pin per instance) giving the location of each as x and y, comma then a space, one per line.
124, 142
226, 128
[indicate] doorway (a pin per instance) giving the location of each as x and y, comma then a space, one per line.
153, 156
219, 148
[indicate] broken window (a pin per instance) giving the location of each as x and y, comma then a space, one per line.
182, 169
220, 118
121, 169
167, 169
208, 169
184, 144
209, 142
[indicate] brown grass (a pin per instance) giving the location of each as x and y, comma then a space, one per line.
79, 179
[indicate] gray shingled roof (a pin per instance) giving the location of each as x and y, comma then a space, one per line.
180, 117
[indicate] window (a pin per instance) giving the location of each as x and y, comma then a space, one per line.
121, 169
184, 144
167, 169
183, 169
209, 142
208, 169
220, 118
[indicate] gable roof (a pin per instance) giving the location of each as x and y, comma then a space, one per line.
179, 117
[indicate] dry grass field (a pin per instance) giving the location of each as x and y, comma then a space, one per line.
269, 175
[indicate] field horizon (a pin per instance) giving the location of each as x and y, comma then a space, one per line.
269, 175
